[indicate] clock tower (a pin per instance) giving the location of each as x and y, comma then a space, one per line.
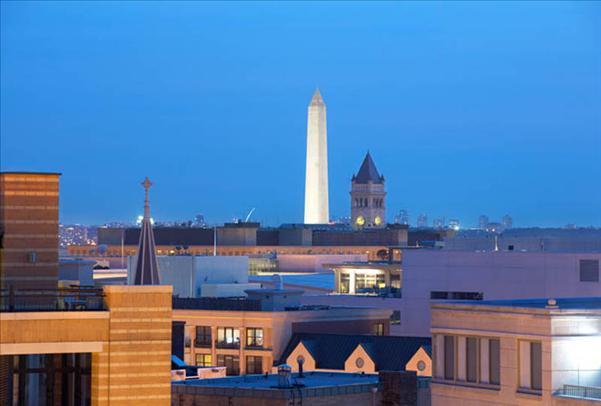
368, 197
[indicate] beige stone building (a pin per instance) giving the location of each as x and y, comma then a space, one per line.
112, 347
517, 352
249, 339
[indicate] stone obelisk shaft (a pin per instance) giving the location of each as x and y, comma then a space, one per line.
316, 180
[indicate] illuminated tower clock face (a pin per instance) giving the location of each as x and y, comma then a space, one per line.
378, 220
360, 221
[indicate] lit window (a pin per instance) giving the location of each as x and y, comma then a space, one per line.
204, 360
254, 337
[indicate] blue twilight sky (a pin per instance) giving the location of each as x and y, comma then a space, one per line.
467, 108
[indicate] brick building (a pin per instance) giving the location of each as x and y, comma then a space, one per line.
29, 230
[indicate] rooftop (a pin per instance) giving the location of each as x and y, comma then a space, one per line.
28, 173
310, 380
81, 298
330, 351
576, 304
240, 304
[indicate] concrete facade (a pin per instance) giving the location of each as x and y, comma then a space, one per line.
569, 339
197, 276
496, 275
316, 178
276, 329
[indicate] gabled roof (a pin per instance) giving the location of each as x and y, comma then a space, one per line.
368, 172
330, 351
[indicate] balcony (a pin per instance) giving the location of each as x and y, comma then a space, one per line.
580, 392
226, 345
59, 300
202, 344
257, 348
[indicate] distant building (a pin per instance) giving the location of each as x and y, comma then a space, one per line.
76, 271
402, 217
368, 197
483, 222
454, 224
527, 240
199, 221
507, 221
439, 222
531, 351
249, 239
422, 221
201, 276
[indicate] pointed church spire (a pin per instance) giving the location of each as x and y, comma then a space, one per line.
147, 266
368, 172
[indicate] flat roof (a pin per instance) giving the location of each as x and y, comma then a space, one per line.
312, 379
571, 303
28, 173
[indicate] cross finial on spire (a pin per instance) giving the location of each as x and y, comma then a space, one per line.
146, 184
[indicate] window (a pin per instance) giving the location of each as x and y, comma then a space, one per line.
589, 270
228, 337
379, 329
449, 357
203, 336
471, 359
530, 370
254, 337
204, 360
345, 283
494, 361
442, 295
395, 317
230, 362
359, 362
367, 283
254, 365
536, 366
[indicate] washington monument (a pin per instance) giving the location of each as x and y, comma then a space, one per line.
316, 181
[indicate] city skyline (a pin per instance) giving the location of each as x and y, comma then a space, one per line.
218, 119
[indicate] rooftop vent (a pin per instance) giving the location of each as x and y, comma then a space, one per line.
284, 376
278, 283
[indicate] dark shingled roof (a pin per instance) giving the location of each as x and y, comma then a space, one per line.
330, 351
368, 172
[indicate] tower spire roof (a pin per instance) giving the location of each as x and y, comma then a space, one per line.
147, 266
368, 172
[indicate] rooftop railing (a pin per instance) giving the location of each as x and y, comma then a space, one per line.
576, 391
216, 303
63, 299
